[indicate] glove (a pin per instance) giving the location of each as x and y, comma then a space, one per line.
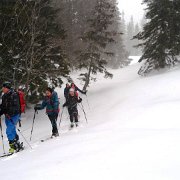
80, 99
37, 107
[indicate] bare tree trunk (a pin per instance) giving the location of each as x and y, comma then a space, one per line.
88, 77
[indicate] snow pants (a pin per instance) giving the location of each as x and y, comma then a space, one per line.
11, 127
53, 119
73, 113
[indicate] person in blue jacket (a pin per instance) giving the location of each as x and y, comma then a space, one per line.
10, 107
51, 102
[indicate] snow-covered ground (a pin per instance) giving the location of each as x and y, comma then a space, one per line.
135, 59
133, 134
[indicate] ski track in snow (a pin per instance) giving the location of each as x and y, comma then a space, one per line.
133, 134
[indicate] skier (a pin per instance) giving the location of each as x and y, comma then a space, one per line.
10, 107
22, 103
71, 103
51, 102
66, 91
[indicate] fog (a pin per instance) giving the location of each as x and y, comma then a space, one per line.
132, 7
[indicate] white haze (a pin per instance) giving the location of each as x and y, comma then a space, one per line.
132, 7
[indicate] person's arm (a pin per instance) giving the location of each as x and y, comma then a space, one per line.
55, 103
40, 106
81, 91
1, 110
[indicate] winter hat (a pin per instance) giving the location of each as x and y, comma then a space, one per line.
50, 90
7, 85
71, 90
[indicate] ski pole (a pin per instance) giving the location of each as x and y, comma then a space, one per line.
87, 102
61, 117
2, 136
83, 112
33, 123
25, 139
20, 125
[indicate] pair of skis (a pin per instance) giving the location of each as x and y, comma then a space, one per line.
10, 154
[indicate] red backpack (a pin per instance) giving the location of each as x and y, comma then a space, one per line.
22, 101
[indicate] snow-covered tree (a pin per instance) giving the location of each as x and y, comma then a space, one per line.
97, 37
120, 57
31, 53
160, 35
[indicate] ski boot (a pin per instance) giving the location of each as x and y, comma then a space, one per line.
12, 148
15, 146
55, 134
76, 124
72, 125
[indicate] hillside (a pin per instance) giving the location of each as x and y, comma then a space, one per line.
133, 133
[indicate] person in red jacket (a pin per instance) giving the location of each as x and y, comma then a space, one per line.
22, 103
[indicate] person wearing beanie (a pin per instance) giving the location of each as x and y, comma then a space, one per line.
10, 107
71, 103
51, 102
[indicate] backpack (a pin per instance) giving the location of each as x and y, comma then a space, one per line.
22, 101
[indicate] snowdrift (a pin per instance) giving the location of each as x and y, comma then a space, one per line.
133, 133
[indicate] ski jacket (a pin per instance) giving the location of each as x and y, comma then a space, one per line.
72, 101
22, 101
51, 104
10, 104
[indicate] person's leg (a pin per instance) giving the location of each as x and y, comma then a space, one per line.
15, 120
71, 115
12, 135
10, 128
76, 117
53, 119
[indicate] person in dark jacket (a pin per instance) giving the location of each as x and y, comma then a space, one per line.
51, 102
71, 103
10, 107
66, 90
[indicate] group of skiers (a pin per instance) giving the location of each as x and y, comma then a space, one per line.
13, 104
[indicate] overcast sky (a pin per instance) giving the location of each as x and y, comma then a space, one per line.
132, 7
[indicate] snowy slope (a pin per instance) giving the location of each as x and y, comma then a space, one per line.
133, 134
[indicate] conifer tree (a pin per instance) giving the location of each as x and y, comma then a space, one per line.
98, 36
31, 53
120, 57
160, 35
